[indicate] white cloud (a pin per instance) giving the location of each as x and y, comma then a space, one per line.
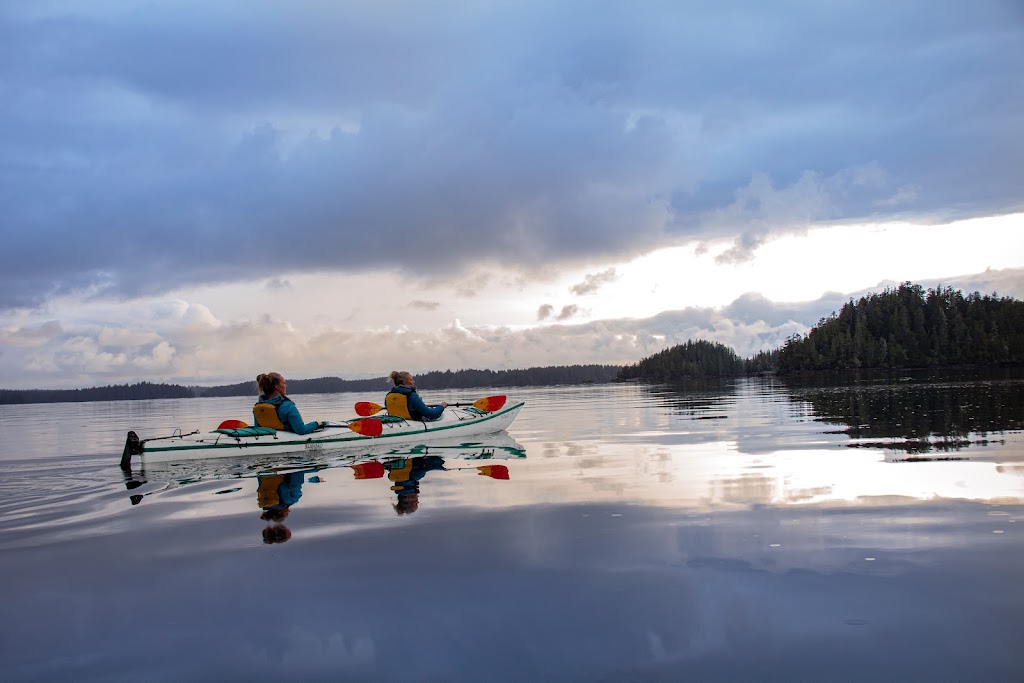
235, 350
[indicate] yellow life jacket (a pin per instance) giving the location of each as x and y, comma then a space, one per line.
267, 495
266, 416
397, 404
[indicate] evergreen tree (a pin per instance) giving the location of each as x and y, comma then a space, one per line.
908, 327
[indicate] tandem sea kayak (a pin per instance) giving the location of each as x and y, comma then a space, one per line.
368, 434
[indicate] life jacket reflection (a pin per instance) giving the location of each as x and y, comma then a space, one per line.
267, 494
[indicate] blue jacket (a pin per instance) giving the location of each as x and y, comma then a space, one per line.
417, 408
288, 414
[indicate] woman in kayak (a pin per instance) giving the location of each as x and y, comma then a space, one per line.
275, 409
403, 400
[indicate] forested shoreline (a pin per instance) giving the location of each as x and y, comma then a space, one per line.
448, 379
903, 328
899, 329
909, 327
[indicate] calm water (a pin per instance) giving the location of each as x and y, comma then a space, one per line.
740, 531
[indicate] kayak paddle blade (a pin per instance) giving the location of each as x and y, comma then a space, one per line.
366, 408
370, 426
232, 424
489, 404
494, 471
368, 470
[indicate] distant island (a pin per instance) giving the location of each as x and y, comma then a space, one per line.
448, 379
903, 328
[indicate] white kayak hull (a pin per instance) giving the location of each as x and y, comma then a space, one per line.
455, 423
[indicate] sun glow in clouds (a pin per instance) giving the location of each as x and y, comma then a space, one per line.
803, 267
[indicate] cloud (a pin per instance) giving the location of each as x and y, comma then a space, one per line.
592, 282
180, 342
144, 148
570, 311
31, 335
423, 305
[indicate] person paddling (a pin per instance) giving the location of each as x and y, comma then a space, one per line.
403, 400
275, 409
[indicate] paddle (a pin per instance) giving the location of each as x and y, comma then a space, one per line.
487, 404
366, 427
372, 427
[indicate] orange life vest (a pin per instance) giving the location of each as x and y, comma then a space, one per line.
266, 416
397, 404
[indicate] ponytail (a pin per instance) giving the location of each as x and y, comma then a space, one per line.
268, 382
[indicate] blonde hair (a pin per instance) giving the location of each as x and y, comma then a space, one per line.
398, 376
268, 382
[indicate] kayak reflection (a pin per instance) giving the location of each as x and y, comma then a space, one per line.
280, 483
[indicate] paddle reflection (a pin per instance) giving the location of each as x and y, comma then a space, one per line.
405, 475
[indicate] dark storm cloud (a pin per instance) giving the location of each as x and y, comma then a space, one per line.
147, 146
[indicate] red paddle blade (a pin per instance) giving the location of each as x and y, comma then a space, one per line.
368, 470
232, 424
489, 404
494, 471
366, 409
370, 426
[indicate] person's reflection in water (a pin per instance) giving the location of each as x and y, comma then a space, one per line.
405, 475
276, 533
276, 493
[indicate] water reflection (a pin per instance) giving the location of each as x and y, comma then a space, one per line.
651, 535
405, 475
279, 484
920, 417
275, 494
699, 399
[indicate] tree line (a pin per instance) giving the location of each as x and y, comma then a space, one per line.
448, 379
909, 327
902, 328
693, 359
113, 392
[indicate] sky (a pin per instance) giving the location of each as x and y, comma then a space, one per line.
197, 192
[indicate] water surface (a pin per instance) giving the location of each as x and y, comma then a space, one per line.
747, 530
